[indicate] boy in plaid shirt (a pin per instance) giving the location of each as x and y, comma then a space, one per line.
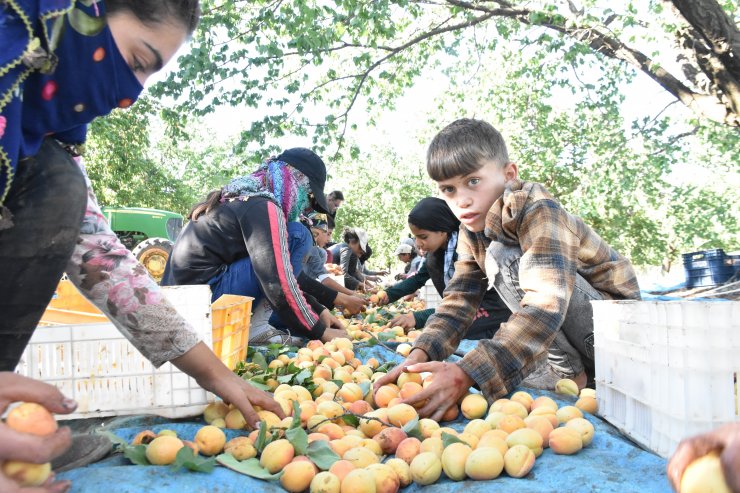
545, 263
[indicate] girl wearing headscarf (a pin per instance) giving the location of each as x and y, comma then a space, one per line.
436, 228
245, 239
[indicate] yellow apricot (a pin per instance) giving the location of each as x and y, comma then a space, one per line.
241, 448
297, 476
341, 468
584, 427
276, 455
565, 440
527, 437
704, 475
402, 470
587, 405
163, 450
386, 479
566, 413
453, 460
518, 461
566, 386
210, 440
400, 414
26, 473
33, 418
408, 449
474, 406
215, 410
484, 464
325, 482
426, 468
358, 481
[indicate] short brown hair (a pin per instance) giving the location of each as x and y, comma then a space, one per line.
460, 147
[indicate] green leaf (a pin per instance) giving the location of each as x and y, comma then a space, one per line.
386, 367
448, 439
321, 454
365, 387
259, 359
412, 428
258, 385
262, 440
302, 376
299, 439
250, 467
351, 420
386, 336
296, 415
187, 459
136, 454
285, 378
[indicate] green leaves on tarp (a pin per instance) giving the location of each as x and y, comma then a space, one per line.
135, 453
262, 439
448, 439
250, 467
188, 459
413, 429
321, 454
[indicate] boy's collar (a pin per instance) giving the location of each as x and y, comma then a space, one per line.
494, 218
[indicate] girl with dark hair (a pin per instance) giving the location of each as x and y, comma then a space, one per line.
351, 256
435, 228
62, 64
247, 240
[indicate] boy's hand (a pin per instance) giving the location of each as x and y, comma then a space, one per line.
449, 385
353, 304
725, 439
416, 356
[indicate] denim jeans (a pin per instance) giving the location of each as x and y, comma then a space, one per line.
48, 198
572, 351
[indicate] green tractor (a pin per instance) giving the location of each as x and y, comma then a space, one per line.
148, 233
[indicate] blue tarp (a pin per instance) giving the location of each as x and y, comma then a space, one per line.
610, 464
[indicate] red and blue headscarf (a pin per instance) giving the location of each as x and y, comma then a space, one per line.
59, 69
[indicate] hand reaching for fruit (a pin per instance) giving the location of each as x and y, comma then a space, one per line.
701, 452
407, 321
449, 384
30, 439
353, 304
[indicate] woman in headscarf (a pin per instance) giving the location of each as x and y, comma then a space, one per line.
245, 239
435, 228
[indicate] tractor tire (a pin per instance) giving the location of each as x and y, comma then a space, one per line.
153, 253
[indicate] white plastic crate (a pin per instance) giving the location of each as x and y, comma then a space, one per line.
97, 366
430, 295
666, 371
338, 279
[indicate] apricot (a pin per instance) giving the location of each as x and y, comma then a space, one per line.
484, 464
469, 438
33, 418
386, 479
545, 412
192, 446
445, 429
297, 476
325, 482
494, 418
215, 410
384, 395
276, 455
322, 371
404, 349
315, 437
584, 427
350, 392
353, 440
360, 457
402, 470
527, 437
330, 409
341, 468
169, 433
426, 468
219, 423
588, 405
524, 399
427, 427
302, 393
408, 449
566, 413
389, 439
453, 460
163, 450
474, 406
241, 448
234, 420
565, 440
143, 437
541, 425
451, 413
371, 427
704, 475
477, 427
518, 461
340, 446
400, 414
406, 377
358, 481
566, 386
410, 389
514, 408
497, 405
511, 423
210, 440
372, 445
493, 440
433, 445
586, 392
26, 473
544, 401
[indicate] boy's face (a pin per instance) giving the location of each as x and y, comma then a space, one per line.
472, 195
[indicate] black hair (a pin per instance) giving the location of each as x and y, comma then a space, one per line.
212, 200
349, 234
337, 195
460, 147
185, 12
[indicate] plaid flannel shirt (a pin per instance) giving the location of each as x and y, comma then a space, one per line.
555, 247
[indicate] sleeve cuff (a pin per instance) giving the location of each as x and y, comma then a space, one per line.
429, 345
484, 376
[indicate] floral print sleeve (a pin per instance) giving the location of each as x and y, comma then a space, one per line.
110, 276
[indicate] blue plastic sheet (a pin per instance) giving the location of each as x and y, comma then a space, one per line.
610, 464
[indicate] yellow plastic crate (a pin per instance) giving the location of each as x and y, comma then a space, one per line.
230, 317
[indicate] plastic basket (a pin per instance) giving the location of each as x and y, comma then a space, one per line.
97, 366
667, 370
429, 294
231, 315
708, 268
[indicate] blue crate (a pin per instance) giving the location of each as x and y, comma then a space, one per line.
709, 267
